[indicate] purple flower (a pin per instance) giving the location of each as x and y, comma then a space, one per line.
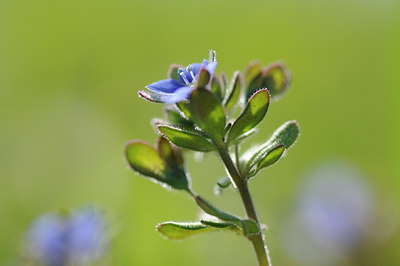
46, 240
334, 211
175, 90
78, 239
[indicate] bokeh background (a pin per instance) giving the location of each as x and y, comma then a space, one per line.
69, 76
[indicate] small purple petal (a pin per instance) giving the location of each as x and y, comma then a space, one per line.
195, 69
164, 86
178, 96
46, 240
211, 67
87, 237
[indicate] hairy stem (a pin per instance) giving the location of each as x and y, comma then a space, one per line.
257, 240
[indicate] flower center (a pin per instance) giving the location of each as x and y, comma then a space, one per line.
189, 69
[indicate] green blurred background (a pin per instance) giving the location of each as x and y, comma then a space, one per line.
69, 76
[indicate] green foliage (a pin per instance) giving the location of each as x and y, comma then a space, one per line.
146, 160
186, 139
253, 114
224, 182
169, 153
253, 78
247, 226
179, 231
207, 113
174, 116
198, 122
274, 77
203, 79
217, 87
286, 135
271, 157
220, 224
233, 91
184, 108
211, 210
267, 154
224, 80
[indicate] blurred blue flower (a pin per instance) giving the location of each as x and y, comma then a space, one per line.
172, 91
78, 239
333, 214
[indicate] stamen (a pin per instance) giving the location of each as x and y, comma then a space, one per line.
181, 72
190, 70
212, 56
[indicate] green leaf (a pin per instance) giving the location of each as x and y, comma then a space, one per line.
253, 114
221, 185
223, 225
186, 139
248, 227
219, 224
233, 91
253, 78
173, 72
176, 118
143, 158
203, 78
285, 135
271, 157
183, 106
224, 182
211, 210
252, 70
178, 231
276, 78
224, 80
216, 87
171, 154
227, 128
146, 160
207, 113
246, 135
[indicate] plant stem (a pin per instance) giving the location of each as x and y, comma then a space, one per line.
257, 240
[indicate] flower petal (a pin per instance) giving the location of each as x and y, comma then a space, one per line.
150, 96
179, 95
164, 86
196, 68
211, 67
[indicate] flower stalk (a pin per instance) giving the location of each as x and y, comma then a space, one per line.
259, 245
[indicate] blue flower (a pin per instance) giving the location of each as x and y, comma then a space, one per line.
79, 238
173, 90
